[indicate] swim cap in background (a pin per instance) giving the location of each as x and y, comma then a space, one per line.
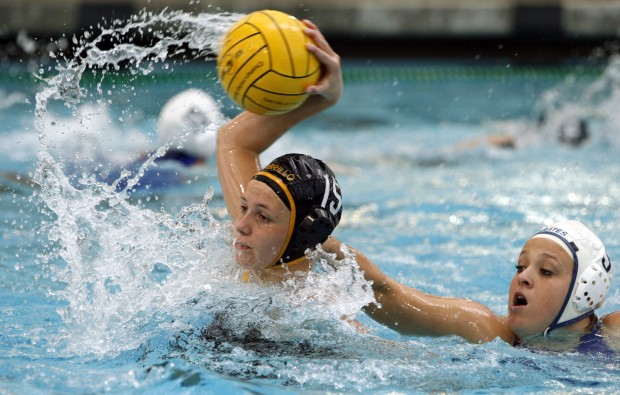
310, 190
591, 274
190, 120
573, 132
568, 125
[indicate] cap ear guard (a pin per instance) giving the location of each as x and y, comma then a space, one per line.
592, 287
314, 228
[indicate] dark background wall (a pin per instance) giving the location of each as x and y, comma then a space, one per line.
537, 29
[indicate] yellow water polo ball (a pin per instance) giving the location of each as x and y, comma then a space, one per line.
264, 65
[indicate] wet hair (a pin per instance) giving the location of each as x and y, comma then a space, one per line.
309, 189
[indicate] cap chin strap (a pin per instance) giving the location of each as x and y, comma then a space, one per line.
290, 263
576, 319
283, 263
284, 194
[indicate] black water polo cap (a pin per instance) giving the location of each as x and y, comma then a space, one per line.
310, 191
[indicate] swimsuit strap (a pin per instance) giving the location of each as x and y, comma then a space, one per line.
594, 340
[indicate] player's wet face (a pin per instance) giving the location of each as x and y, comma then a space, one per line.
261, 228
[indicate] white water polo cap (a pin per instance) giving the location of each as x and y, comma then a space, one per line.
189, 121
591, 277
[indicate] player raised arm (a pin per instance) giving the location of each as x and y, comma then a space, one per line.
241, 140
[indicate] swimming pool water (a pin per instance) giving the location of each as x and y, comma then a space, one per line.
106, 293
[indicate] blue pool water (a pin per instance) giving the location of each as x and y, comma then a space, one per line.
105, 292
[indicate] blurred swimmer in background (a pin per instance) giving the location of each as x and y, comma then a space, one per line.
189, 122
89, 144
186, 134
567, 128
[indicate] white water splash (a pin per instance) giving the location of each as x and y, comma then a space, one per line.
126, 274
131, 274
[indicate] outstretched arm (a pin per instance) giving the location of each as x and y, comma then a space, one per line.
241, 140
412, 312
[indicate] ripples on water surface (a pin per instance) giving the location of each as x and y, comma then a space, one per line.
104, 291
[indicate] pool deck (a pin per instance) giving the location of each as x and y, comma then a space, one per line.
380, 24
